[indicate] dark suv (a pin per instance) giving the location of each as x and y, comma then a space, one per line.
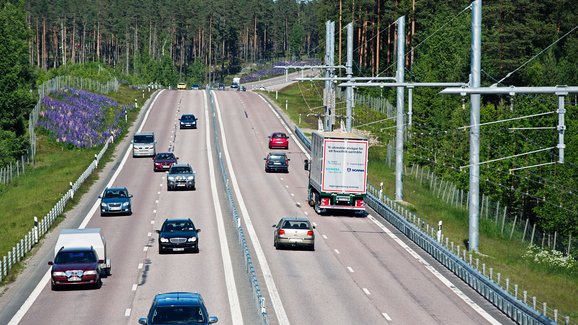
276, 162
76, 266
181, 176
115, 200
178, 235
178, 308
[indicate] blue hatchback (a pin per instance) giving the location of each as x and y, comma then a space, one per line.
115, 200
178, 308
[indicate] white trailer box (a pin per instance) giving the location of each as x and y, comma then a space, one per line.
337, 171
87, 237
339, 162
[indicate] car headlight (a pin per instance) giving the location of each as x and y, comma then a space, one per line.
164, 240
125, 204
192, 239
91, 272
104, 205
58, 274
190, 178
171, 178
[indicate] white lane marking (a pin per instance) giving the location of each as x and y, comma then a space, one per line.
350, 269
236, 314
127, 312
146, 248
134, 286
286, 127
366, 291
386, 316
292, 194
336, 251
267, 275
149, 234
324, 236
140, 266
438, 275
157, 202
46, 278
152, 221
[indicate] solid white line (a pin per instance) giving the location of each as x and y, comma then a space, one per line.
134, 286
236, 314
438, 275
366, 291
350, 269
46, 278
386, 316
127, 312
267, 275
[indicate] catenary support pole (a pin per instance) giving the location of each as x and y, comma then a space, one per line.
349, 74
474, 211
399, 133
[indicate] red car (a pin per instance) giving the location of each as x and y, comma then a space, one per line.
163, 161
278, 140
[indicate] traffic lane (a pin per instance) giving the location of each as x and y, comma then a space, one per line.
124, 248
199, 272
428, 315
300, 276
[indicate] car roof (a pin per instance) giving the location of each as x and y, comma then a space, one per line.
178, 298
145, 133
181, 165
295, 219
114, 189
177, 220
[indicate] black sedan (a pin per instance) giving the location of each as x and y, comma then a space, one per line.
178, 235
188, 121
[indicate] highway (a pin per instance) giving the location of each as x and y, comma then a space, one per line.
361, 271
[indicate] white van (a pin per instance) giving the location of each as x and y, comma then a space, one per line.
144, 144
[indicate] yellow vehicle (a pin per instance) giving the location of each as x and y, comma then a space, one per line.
181, 86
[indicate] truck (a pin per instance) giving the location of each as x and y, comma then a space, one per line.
80, 258
337, 171
236, 83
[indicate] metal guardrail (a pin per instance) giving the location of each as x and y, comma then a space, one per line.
486, 287
17, 253
249, 267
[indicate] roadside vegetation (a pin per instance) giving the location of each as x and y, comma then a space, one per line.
552, 279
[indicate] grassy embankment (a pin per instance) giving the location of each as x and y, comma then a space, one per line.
37, 191
557, 287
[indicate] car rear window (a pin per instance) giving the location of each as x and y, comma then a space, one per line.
296, 225
279, 135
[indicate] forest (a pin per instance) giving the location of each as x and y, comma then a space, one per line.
524, 43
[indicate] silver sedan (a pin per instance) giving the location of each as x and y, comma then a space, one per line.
294, 232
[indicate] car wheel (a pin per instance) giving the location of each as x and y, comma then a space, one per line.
194, 188
312, 247
197, 250
54, 287
98, 284
129, 212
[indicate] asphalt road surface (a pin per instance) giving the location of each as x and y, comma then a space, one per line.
361, 271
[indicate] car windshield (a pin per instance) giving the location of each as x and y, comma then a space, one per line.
181, 170
139, 138
75, 257
115, 194
177, 315
188, 117
178, 226
165, 156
